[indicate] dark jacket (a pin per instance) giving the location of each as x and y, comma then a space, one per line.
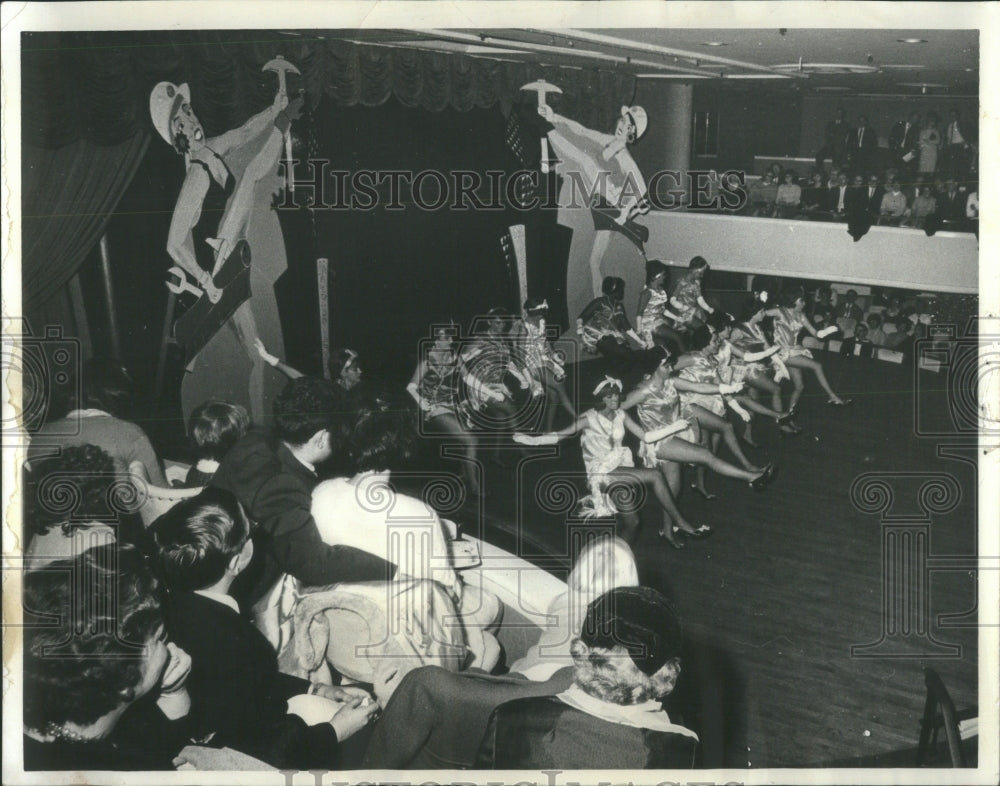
236, 689
436, 719
276, 489
544, 733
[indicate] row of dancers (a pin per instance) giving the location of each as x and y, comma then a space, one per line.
507, 377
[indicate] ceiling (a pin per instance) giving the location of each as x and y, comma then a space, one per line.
943, 62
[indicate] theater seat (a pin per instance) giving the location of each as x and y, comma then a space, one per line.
153, 501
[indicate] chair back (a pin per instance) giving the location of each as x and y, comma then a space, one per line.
939, 710
153, 501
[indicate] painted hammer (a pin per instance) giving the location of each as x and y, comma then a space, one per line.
542, 87
282, 67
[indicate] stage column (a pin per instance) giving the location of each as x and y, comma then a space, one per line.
666, 145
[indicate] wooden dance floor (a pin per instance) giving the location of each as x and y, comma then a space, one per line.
795, 577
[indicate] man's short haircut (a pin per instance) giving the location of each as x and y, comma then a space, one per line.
197, 538
216, 426
304, 407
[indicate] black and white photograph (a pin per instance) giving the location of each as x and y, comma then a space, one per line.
500, 393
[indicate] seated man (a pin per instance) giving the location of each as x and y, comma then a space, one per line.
237, 693
273, 476
626, 659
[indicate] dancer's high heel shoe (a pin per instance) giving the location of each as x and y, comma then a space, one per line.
842, 402
704, 494
764, 479
696, 534
672, 538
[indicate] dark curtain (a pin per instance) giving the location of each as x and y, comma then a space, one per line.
85, 117
67, 198
96, 85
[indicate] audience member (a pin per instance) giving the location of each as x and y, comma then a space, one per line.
273, 476
214, 428
951, 202
237, 693
893, 209
69, 505
862, 146
401, 529
859, 344
875, 332
822, 310
627, 659
956, 152
815, 196
603, 565
788, 197
924, 206
104, 689
108, 393
837, 197
902, 339
930, 142
904, 144
835, 141
763, 195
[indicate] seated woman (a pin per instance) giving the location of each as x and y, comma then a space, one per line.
606, 563
789, 320
534, 353
367, 513
658, 406
214, 428
605, 328
654, 322
610, 463
788, 197
627, 659
104, 689
70, 505
108, 391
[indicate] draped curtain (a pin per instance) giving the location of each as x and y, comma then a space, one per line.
85, 118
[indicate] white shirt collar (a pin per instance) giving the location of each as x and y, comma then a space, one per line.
220, 597
648, 715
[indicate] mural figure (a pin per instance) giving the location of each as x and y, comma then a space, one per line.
225, 235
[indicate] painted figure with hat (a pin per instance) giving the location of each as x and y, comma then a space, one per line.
225, 236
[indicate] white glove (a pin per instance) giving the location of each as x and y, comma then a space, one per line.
579, 327
734, 405
827, 331
266, 356
780, 369
728, 388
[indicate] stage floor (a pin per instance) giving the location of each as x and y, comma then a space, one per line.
795, 577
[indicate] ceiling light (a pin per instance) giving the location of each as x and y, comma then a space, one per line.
912, 40
826, 68
714, 43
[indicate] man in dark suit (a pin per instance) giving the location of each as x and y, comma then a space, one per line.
837, 200
857, 203
862, 146
238, 696
957, 147
904, 145
835, 141
273, 476
873, 194
951, 202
